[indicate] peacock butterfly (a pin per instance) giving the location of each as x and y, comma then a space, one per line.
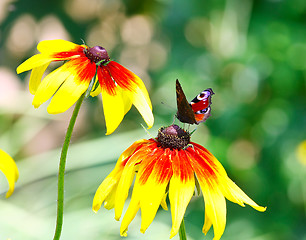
195, 112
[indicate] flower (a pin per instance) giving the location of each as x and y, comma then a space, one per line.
120, 87
171, 162
9, 169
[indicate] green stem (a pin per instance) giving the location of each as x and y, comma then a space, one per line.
182, 231
61, 170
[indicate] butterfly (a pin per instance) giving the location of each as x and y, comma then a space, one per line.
195, 112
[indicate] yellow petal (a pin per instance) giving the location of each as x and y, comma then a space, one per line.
126, 179
153, 190
105, 188
144, 91
36, 76
152, 195
70, 91
180, 194
164, 203
57, 45
123, 188
115, 107
9, 169
215, 209
97, 91
50, 84
181, 189
108, 187
147, 195
33, 62
140, 100
131, 211
207, 224
236, 195
109, 201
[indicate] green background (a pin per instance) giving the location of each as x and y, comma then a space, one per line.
251, 53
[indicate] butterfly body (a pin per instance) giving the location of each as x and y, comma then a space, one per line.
195, 112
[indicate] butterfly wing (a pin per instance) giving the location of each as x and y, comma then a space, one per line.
184, 113
201, 105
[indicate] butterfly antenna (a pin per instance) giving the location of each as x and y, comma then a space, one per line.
147, 131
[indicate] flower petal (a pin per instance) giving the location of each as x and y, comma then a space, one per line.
105, 188
134, 88
75, 85
96, 89
9, 169
207, 224
70, 91
58, 45
235, 194
215, 209
137, 191
132, 209
114, 107
127, 177
51, 83
215, 206
229, 189
154, 177
124, 185
36, 76
109, 185
164, 203
143, 105
121, 75
181, 188
149, 188
33, 62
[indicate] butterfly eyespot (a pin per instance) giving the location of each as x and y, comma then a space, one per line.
202, 111
201, 96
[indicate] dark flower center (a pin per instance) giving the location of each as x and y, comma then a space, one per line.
173, 137
97, 54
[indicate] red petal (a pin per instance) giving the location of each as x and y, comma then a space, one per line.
122, 76
183, 165
106, 81
158, 163
84, 70
202, 163
77, 52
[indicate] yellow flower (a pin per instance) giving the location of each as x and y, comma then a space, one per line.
120, 87
9, 169
169, 162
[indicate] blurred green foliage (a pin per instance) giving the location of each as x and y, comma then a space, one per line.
253, 55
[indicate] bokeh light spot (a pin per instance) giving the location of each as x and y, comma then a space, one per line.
51, 28
82, 10
274, 121
10, 88
196, 31
22, 35
137, 30
245, 84
297, 56
242, 154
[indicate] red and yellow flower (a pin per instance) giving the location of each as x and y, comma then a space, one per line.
120, 87
10, 171
169, 162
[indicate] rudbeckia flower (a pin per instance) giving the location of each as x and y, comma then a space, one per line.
10, 171
169, 164
120, 87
